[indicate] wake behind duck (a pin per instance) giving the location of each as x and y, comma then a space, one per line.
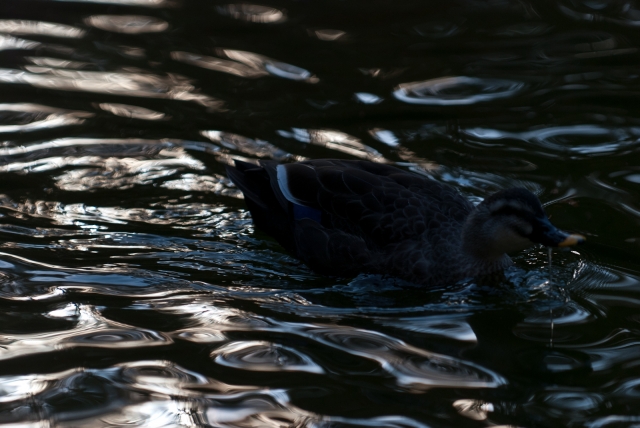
344, 217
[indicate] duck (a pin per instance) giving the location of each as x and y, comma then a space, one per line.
346, 217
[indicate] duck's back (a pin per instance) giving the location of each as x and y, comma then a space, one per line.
342, 217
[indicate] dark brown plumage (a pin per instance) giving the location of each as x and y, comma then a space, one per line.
343, 217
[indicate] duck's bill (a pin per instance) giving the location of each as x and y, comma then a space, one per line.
572, 240
554, 237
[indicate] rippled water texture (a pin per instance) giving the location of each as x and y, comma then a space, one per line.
134, 290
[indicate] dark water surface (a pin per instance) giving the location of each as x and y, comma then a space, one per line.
134, 290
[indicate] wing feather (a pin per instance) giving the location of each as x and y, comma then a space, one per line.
379, 203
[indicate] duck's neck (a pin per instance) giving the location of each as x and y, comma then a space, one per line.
476, 266
478, 246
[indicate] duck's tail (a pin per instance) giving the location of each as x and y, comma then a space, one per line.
298, 228
267, 210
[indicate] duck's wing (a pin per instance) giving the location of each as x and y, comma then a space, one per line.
338, 216
331, 251
380, 203
295, 226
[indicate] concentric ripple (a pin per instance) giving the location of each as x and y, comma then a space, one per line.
578, 140
458, 90
265, 357
91, 330
413, 368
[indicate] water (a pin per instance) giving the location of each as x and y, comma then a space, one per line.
135, 290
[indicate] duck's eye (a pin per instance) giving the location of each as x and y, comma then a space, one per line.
515, 210
520, 231
520, 226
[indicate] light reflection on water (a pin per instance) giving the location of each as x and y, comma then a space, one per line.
451, 91
23, 27
38, 117
127, 24
246, 64
135, 290
114, 83
252, 12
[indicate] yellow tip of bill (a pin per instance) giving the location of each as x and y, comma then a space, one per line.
572, 240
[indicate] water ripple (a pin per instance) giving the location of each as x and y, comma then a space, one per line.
207, 312
216, 185
438, 29
127, 24
114, 338
10, 43
367, 98
619, 348
413, 368
106, 164
624, 13
249, 146
459, 90
264, 357
48, 282
583, 45
35, 117
554, 361
139, 3
252, 13
613, 421
553, 325
572, 404
118, 173
58, 62
151, 393
200, 335
583, 140
448, 326
246, 64
135, 289
130, 84
272, 66
329, 35
17, 388
82, 214
91, 330
132, 112
164, 377
523, 29
51, 29
476, 410
334, 140
217, 64
112, 146
379, 422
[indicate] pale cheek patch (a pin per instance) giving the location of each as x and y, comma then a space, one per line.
510, 241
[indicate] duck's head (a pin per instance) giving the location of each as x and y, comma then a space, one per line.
511, 220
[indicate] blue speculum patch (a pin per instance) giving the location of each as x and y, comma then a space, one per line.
300, 212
